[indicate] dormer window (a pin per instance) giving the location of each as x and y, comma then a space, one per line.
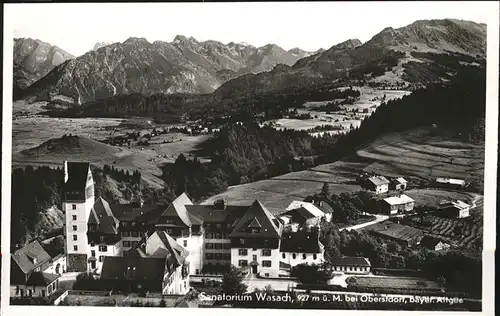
255, 230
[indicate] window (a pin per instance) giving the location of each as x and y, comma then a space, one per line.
242, 241
92, 253
209, 246
73, 206
101, 258
185, 243
210, 235
304, 256
74, 217
168, 230
218, 235
209, 255
254, 258
134, 243
226, 256
75, 228
218, 246
226, 246
75, 248
92, 264
219, 225
283, 255
350, 268
126, 243
255, 230
92, 244
315, 256
267, 275
266, 252
242, 252
294, 255
170, 221
75, 237
135, 234
218, 256
103, 248
125, 234
197, 271
242, 263
266, 263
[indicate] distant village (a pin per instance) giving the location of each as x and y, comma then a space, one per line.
161, 249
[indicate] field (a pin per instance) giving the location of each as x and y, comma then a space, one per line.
410, 154
369, 99
30, 130
393, 282
463, 233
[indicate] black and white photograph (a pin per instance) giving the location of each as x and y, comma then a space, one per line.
297, 155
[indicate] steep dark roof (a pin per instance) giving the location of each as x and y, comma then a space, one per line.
26, 256
325, 207
176, 254
41, 279
300, 242
211, 214
299, 213
151, 269
102, 215
77, 175
178, 209
350, 261
270, 227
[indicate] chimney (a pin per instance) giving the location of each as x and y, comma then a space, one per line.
66, 171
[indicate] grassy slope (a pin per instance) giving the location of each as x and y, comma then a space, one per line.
389, 155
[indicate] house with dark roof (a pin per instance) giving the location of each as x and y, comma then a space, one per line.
298, 247
434, 243
162, 255
351, 265
30, 272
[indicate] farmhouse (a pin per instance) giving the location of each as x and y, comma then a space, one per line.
30, 274
303, 213
433, 243
378, 184
401, 234
300, 247
454, 209
451, 183
396, 204
398, 184
351, 265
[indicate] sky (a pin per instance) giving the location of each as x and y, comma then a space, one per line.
77, 27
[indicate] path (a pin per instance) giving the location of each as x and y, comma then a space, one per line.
379, 218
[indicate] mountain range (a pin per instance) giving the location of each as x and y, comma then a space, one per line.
422, 52
183, 65
33, 59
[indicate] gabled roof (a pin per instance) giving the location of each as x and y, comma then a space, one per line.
300, 212
378, 180
311, 208
41, 279
455, 204
150, 269
350, 261
178, 209
300, 242
102, 215
325, 207
451, 181
77, 175
400, 180
270, 228
397, 231
148, 213
397, 200
26, 257
178, 254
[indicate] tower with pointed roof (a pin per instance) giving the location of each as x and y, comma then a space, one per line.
77, 202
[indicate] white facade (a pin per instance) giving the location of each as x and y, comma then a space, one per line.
99, 252
351, 269
297, 258
382, 188
267, 265
58, 266
194, 245
76, 218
